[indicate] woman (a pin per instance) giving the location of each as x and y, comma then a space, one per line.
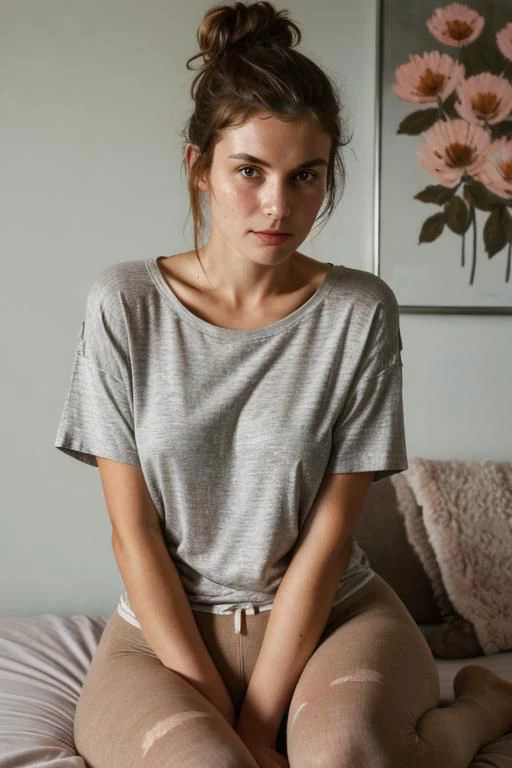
239, 399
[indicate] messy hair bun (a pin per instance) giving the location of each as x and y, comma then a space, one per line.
240, 26
250, 67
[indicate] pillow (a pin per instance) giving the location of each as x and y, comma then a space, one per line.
454, 639
43, 662
381, 533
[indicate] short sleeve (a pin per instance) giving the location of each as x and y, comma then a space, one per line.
97, 417
369, 433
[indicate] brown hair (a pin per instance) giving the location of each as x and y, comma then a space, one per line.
250, 68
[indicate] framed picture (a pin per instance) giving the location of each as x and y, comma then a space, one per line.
443, 186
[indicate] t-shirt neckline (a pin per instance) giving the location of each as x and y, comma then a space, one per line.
240, 333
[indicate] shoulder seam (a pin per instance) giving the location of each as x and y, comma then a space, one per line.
379, 373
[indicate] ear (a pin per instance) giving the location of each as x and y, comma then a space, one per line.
192, 151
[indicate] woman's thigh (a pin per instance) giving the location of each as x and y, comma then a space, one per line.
134, 711
363, 690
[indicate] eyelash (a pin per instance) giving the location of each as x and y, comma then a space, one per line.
312, 174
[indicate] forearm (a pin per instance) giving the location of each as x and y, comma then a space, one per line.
302, 605
161, 605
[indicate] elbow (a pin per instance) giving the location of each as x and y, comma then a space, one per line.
128, 540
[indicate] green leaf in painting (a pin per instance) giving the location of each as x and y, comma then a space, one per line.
419, 121
435, 193
432, 228
506, 220
457, 214
495, 236
501, 129
478, 194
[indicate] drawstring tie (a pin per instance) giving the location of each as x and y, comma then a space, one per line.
250, 608
237, 609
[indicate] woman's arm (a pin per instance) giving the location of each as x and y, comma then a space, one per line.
153, 584
302, 603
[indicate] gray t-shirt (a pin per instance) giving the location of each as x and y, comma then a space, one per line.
234, 429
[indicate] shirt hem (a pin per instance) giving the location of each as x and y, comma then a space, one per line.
235, 609
350, 592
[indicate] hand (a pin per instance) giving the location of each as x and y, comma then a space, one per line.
265, 756
261, 745
260, 739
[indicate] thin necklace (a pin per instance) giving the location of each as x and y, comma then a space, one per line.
204, 270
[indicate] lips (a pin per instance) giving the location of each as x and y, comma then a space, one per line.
274, 239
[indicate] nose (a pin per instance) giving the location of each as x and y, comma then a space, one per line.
276, 202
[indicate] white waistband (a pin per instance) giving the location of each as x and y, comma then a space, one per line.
224, 608
236, 609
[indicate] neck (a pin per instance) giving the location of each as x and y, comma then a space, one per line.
240, 283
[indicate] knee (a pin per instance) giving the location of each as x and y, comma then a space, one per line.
346, 753
351, 753
347, 740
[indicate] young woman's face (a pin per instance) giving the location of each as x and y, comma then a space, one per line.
281, 190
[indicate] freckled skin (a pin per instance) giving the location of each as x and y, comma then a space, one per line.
245, 196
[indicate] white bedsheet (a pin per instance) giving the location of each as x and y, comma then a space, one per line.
43, 661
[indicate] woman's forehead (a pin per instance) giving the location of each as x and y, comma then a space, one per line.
263, 138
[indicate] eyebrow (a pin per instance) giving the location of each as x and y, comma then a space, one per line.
252, 159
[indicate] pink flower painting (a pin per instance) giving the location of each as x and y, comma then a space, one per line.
464, 121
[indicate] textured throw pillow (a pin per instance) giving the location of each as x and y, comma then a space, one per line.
453, 637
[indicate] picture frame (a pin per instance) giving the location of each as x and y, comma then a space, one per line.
443, 155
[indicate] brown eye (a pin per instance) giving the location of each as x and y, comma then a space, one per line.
247, 168
311, 174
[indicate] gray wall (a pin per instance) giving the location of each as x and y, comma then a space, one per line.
93, 95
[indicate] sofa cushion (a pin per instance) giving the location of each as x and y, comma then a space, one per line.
381, 533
